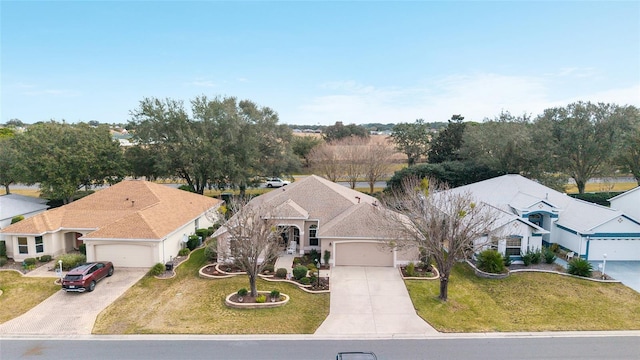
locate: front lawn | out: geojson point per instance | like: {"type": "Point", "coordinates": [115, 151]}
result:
{"type": "Point", "coordinates": [21, 293]}
{"type": "Point", "coordinates": [525, 302]}
{"type": "Point", "coordinates": [188, 304]}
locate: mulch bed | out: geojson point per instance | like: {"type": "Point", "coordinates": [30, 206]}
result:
{"type": "Point", "coordinates": [555, 267]}
{"type": "Point", "coordinates": [419, 272]}
{"type": "Point", "coordinates": [170, 273]}
{"type": "Point", "coordinates": [12, 265]}
{"type": "Point", "coordinates": [322, 285]}
{"type": "Point", "coordinates": [247, 299]}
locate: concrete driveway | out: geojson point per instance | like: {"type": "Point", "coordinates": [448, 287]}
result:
{"type": "Point", "coordinates": [73, 313]}
{"type": "Point", "coordinates": [626, 271]}
{"type": "Point", "coordinates": [371, 300]}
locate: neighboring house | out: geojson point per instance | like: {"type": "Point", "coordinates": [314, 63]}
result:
{"type": "Point", "coordinates": [588, 229]}
{"type": "Point", "coordinates": [12, 205]}
{"type": "Point", "coordinates": [320, 215]}
{"type": "Point", "coordinates": [133, 223]}
{"type": "Point", "coordinates": [629, 202]}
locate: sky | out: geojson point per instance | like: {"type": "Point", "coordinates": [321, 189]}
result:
{"type": "Point", "coordinates": [317, 62]}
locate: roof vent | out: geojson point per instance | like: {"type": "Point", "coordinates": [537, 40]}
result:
{"type": "Point", "coordinates": [358, 197]}
{"type": "Point", "coordinates": [133, 203]}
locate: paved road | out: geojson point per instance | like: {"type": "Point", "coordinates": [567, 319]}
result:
{"type": "Point", "coordinates": [465, 347]}
{"type": "Point", "coordinates": [73, 313]}
{"type": "Point", "coordinates": [370, 300]}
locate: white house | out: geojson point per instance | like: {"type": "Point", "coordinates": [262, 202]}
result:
{"type": "Point", "coordinates": [588, 229]}
{"type": "Point", "coordinates": [12, 205]}
{"type": "Point", "coordinates": [629, 202]}
{"type": "Point", "coordinates": [133, 223]}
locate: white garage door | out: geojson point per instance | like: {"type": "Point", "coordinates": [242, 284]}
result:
{"type": "Point", "coordinates": [616, 249]}
{"type": "Point", "coordinates": [363, 254]}
{"type": "Point", "coordinates": [125, 255]}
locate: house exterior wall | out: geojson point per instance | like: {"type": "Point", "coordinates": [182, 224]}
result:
{"type": "Point", "coordinates": [53, 244]}
{"type": "Point", "coordinates": [570, 240]}
{"type": "Point", "coordinates": [628, 203]}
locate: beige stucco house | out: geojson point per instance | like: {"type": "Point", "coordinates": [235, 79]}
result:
{"type": "Point", "coordinates": [133, 223]}
{"type": "Point", "coordinates": [316, 213]}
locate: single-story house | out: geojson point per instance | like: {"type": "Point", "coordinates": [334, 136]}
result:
{"type": "Point", "coordinates": [12, 205]}
{"type": "Point", "coordinates": [589, 230]}
{"type": "Point", "coordinates": [629, 202]}
{"type": "Point", "coordinates": [133, 223]}
{"type": "Point", "coordinates": [320, 215]}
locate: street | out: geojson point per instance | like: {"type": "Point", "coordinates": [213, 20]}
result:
{"type": "Point", "coordinates": [467, 347]}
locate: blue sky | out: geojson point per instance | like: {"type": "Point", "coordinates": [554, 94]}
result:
{"type": "Point", "coordinates": [317, 62]}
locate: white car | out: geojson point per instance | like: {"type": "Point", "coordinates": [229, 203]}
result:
{"type": "Point", "coordinates": [276, 182]}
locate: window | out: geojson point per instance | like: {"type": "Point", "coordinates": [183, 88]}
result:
{"type": "Point", "coordinates": [23, 248]}
{"type": "Point", "coordinates": [514, 243]}
{"type": "Point", "coordinates": [313, 235]}
{"type": "Point", "coordinates": [39, 244]}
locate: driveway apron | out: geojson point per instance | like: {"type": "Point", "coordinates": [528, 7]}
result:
{"type": "Point", "coordinates": [628, 272]}
{"type": "Point", "coordinates": [371, 300]}
{"type": "Point", "coordinates": [73, 313]}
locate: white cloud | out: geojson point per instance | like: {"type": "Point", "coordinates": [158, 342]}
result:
{"type": "Point", "coordinates": [475, 96]}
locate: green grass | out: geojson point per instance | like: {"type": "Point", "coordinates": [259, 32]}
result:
{"type": "Point", "coordinates": [188, 304]}
{"type": "Point", "coordinates": [20, 293]}
{"type": "Point", "coordinates": [525, 302]}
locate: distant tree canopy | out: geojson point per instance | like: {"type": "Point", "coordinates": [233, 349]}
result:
{"type": "Point", "coordinates": [14, 123]}
{"type": "Point", "coordinates": [452, 173]}
{"type": "Point", "coordinates": [446, 145]}
{"type": "Point", "coordinates": [412, 139]}
{"type": "Point", "coordinates": [224, 143]}
{"type": "Point", "coordinates": [340, 131]}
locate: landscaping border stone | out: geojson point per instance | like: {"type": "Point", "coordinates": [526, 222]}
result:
{"type": "Point", "coordinates": [264, 305]}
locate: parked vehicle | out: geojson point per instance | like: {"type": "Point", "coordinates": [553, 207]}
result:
{"type": "Point", "coordinates": [84, 277]}
{"type": "Point", "coordinates": [276, 182]}
{"type": "Point", "coordinates": [356, 355]}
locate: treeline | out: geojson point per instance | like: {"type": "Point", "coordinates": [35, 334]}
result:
{"type": "Point", "coordinates": [581, 141]}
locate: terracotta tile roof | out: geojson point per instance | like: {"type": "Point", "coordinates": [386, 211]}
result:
{"type": "Point", "coordinates": [130, 209]}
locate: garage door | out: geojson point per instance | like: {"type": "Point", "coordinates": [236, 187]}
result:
{"type": "Point", "coordinates": [616, 249]}
{"type": "Point", "coordinates": [363, 254]}
{"type": "Point", "coordinates": [125, 255]}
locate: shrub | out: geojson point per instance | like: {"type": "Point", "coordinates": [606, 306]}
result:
{"type": "Point", "coordinates": [549, 256]}
{"type": "Point", "coordinates": [327, 257]}
{"type": "Point", "coordinates": [83, 249]}
{"type": "Point", "coordinates": [299, 272]}
{"type": "Point", "coordinates": [261, 298]}
{"type": "Point", "coordinates": [304, 281]}
{"type": "Point", "coordinates": [312, 268]}
{"type": "Point", "coordinates": [202, 233]}
{"type": "Point", "coordinates": [184, 252]}
{"type": "Point", "coordinates": [29, 261]}
{"type": "Point", "coordinates": [410, 269]}
{"type": "Point", "coordinates": [3, 248]}
{"type": "Point", "coordinates": [157, 269]}
{"type": "Point", "coordinates": [281, 273]}
{"type": "Point", "coordinates": [3, 261]}
{"type": "Point", "coordinates": [69, 261]}
{"type": "Point", "coordinates": [186, 188]}
{"type": "Point", "coordinates": [267, 268]}
{"type": "Point", "coordinates": [554, 247]}
{"type": "Point", "coordinates": [45, 258]}
{"type": "Point", "coordinates": [312, 279]}
{"type": "Point", "coordinates": [16, 219]}
{"type": "Point", "coordinates": [211, 251]}
{"type": "Point", "coordinates": [275, 294]}
{"type": "Point", "coordinates": [193, 242]}
{"type": "Point", "coordinates": [527, 258]}
{"type": "Point", "coordinates": [506, 260]}
{"type": "Point", "coordinates": [315, 255]}
{"type": "Point", "coordinates": [242, 292]}
{"type": "Point", "coordinates": [580, 267]}
{"type": "Point", "coordinates": [536, 256]}
{"type": "Point", "coordinates": [490, 261]}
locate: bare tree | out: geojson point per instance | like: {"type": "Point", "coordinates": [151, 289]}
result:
{"type": "Point", "coordinates": [326, 160]}
{"type": "Point", "coordinates": [352, 154]}
{"type": "Point", "coordinates": [377, 162]}
{"type": "Point", "coordinates": [445, 223]}
{"type": "Point", "coordinates": [251, 238]}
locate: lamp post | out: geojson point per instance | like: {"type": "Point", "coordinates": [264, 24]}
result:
{"type": "Point", "coordinates": [604, 264]}
{"type": "Point", "coordinates": [60, 267]}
